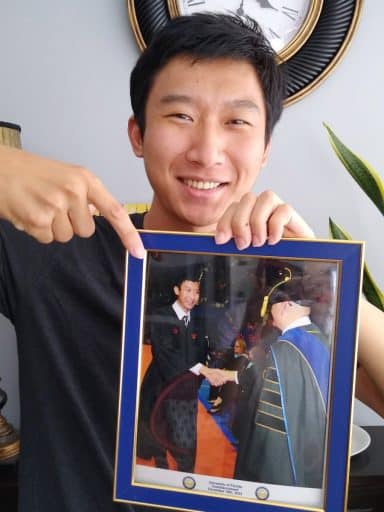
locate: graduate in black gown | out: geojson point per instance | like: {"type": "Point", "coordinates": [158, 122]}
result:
{"type": "Point", "coordinates": [179, 343]}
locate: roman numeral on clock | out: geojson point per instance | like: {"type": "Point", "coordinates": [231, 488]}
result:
{"type": "Point", "coordinates": [293, 14]}
{"type": "Point", "coordinates": [194, 3]}
{"type": "Point", "coordinates": [273, 33]}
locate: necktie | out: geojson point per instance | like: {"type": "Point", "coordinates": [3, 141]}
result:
{"type": "Point", "coordinates": [185, 320]}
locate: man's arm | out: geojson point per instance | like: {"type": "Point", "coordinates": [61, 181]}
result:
{"type": "Point", "coordinates": [266, 218]}
{"type": "Point", "coordinates": [51, 200]}
{"type": "Point", "coordinates": [371, 355]}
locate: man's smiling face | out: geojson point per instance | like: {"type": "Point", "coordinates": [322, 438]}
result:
{"type": "Point", "coordinates": [188, 294]}
{"type": "Point", "coordinates": [204, 141]}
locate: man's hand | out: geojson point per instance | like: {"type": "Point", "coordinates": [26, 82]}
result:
{"type": "Point", "coordinates": [214, 376]}
{"type": "Point", "coordinates": [51, 200]}
{"type": "Point", "coordinates": [258, 219]}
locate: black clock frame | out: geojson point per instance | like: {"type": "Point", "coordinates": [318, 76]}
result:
{"type": "Point", "coordinates": [307, 68]}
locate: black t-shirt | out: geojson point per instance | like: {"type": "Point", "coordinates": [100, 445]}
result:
{"type": "Point", "coordinates": [65, 301]}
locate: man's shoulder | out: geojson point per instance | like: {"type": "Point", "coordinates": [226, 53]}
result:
{"type": "Point", "coordinates": [307, 338]}
{"type": "Point", "coordinates": [28, 257]}
{"type": "Point", "coordinates": [160, 312]}
{"type": "Point", "coordinates": [310, 330]}
{"type": "Point", "coordinates": [102, 225]}
{"type": "Point", "coordinates": [8, 233]}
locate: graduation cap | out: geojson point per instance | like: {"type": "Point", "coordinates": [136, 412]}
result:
{"type": "Point", "coordinates": [190, 272]}
{"type": "Point", "coordinates": [286, 289]}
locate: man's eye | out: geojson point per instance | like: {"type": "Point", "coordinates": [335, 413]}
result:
{"type": "Point", "coordinates": [181, 115]}
{"type": "Point", "coordinates": [239, 122]}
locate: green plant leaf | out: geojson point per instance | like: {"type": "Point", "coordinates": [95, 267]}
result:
{"type": "Point", "coordinates": [337, 232]}
{"type": "Point", "coordinates": [370, 289]}
{"type": "Point", "coordinates": [363, 173]}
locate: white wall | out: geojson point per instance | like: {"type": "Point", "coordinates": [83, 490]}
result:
{"type": "Point", "coordinates": [64, 76]}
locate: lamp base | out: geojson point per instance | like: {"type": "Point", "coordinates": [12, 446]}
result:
{"type": "Point", "coordinates": [9, 442]}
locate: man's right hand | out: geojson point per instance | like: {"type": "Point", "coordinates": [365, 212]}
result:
{"type": "Point", "coordinates": [214, 376]}
{"type": "Point", "coordinates": [52, 200]}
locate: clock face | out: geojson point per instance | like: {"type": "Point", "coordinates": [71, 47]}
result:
{"type": "Point", "coordinates": [280, 20]}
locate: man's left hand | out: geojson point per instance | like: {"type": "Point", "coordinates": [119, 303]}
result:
{"type": "Point", "coordinates": [257, 219]}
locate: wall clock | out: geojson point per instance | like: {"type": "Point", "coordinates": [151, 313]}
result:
{"type": "Point", "coordinates": [310, 36]}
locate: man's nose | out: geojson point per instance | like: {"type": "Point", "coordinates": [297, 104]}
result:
{"type": "Point", "coordinates": [206, 146]}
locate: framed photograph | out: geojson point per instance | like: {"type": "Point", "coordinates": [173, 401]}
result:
{"type": "Point", "coordinates": [237, 375]}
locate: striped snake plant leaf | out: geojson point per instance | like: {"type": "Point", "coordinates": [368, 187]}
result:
{"type": "Point", "coordinates": [370, 289]}
{"type": "Point", "coordinates": [363, 173]}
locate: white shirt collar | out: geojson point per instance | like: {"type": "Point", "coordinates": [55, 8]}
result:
{"type": "Point", "coordinates": [180, 313]}
{"type": "Point", "coordinates": [300, 322]}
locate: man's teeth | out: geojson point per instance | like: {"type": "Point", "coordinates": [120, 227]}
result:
{"type": "Point", "coordinates": [202, 185]}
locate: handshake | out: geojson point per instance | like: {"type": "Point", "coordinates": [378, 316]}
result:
{"type": "Point", "coordinates": [218, 377]}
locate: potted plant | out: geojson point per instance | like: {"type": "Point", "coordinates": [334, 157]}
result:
{"type": "Point", "coordinates": [371, 183]}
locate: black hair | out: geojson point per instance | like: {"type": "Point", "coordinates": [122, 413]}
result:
{"type": "Point", "coordinates": [210, 36]}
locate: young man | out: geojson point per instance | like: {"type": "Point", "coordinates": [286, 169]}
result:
{"type": "Point", "coordinates": [179, 345]}
{"type": "Point", "coordinates": [205, 95]}
{"type": "Point", "coordinates": [283, 438]}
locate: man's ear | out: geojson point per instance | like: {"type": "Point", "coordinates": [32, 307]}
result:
{"type": "Point", "coordinates": [176, 290]}
{"type": "Point", "coordinates": [285, 306]}
{"type": "Point", "coordinates": [135, 136]}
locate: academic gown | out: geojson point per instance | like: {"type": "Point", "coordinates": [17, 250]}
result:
{"type": "Point", "coordinates": [175, 349]}
{"type": "Point", "coordinates": [284, 438]}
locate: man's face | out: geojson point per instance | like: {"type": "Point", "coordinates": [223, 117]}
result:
{"type": "Point", "coordinates": [188, 294]}
{"type": "Point", "coordinates": [204, 142]}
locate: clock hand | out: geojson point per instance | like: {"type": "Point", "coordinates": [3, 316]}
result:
{"type": "Point", "coordinates": [265, 3]}
{"type": "Point", "coordinates": [240, 10]}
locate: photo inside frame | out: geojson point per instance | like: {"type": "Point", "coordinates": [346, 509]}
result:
{"type": "Point", "coordinates": [270, 322]}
